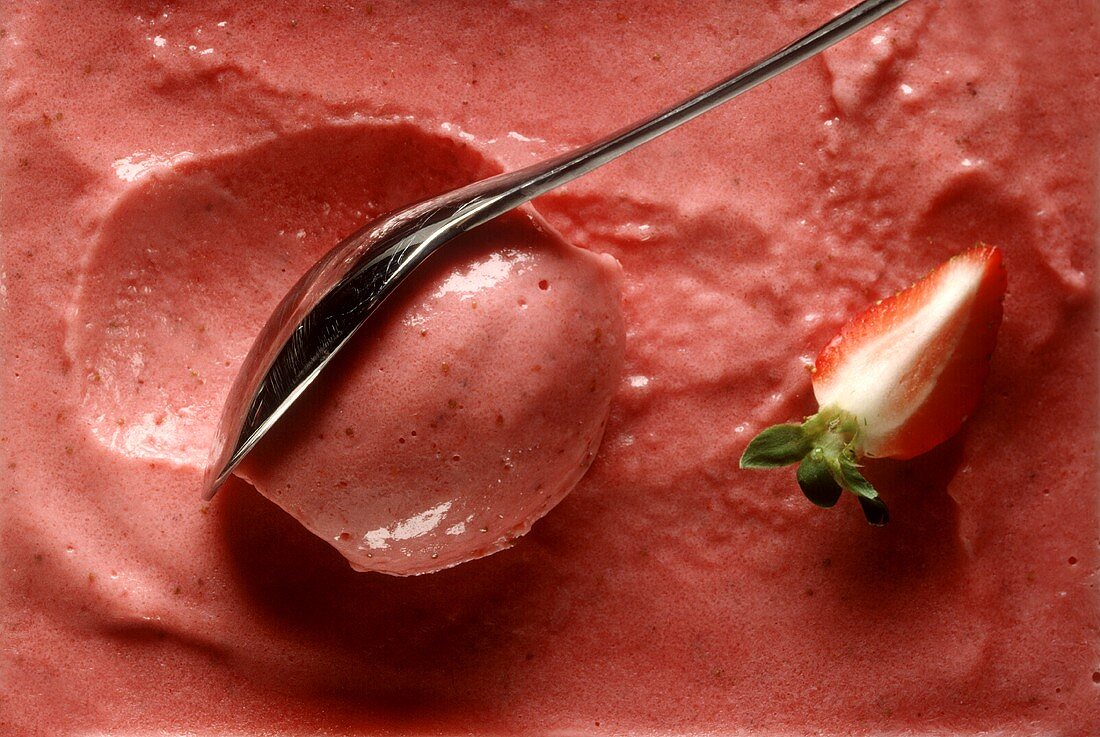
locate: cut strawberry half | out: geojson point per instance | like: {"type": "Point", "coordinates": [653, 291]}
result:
{"type": "Point", "coordinates": [896, 381]}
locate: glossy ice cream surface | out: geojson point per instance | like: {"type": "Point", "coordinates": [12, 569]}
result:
{"type": "Point", "coordinates": [169, 170]}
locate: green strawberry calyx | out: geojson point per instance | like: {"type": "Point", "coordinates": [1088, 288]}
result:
{"type": "Point", "coordinates": [826, 448]}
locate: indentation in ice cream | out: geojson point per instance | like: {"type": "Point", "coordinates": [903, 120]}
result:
{"type": "Point", "coordinates": [195, 251]}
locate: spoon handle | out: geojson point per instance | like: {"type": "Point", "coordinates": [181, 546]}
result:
{"type": "Point", "coordinates": [499, 194]}
{"type": "Point", "coordinates": [337, 296]}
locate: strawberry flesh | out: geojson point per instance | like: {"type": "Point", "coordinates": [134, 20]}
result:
{"type": "Point", "coordinates": [911, 367]}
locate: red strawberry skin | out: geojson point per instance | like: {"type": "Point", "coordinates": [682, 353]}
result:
{"type": "Point", "coordinates": [942, 385]}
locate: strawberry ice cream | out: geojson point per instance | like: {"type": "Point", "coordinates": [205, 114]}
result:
{"type": "Point", "coordinates": [168, 171]}
{"type": "Point", "coordinates": [474, 408]}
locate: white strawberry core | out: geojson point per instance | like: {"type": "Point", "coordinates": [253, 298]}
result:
{"type": "Point", "coordinates": [887, 378]}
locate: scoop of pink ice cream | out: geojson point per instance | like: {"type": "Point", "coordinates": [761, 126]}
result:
{"type": "Point", "coordinates": [469, 408]}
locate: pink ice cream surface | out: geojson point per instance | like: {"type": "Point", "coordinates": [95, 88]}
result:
{"type": "Point", "coordinates": [167, 170]}
{"type": "Point", "coordinates": [469, 406]}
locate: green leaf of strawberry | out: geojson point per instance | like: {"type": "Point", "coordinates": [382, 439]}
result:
{"type": "Point", "coordinates": [853, 480]}
{"type": "Point", "coordinates": [874, 510]}
{"type": "Point", "coordinates": [896, 381]}
{"type": "Point", "coordinates": [815, 478]}
{"type": "Point", "coordinates": [779, 445]}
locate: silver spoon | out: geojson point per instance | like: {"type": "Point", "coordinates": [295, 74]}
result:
{"type": "Point", "coordinates": [344, 288]}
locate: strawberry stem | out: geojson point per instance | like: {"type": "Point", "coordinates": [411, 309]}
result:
{"type": "Point", "coordinates": [826, 447]}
